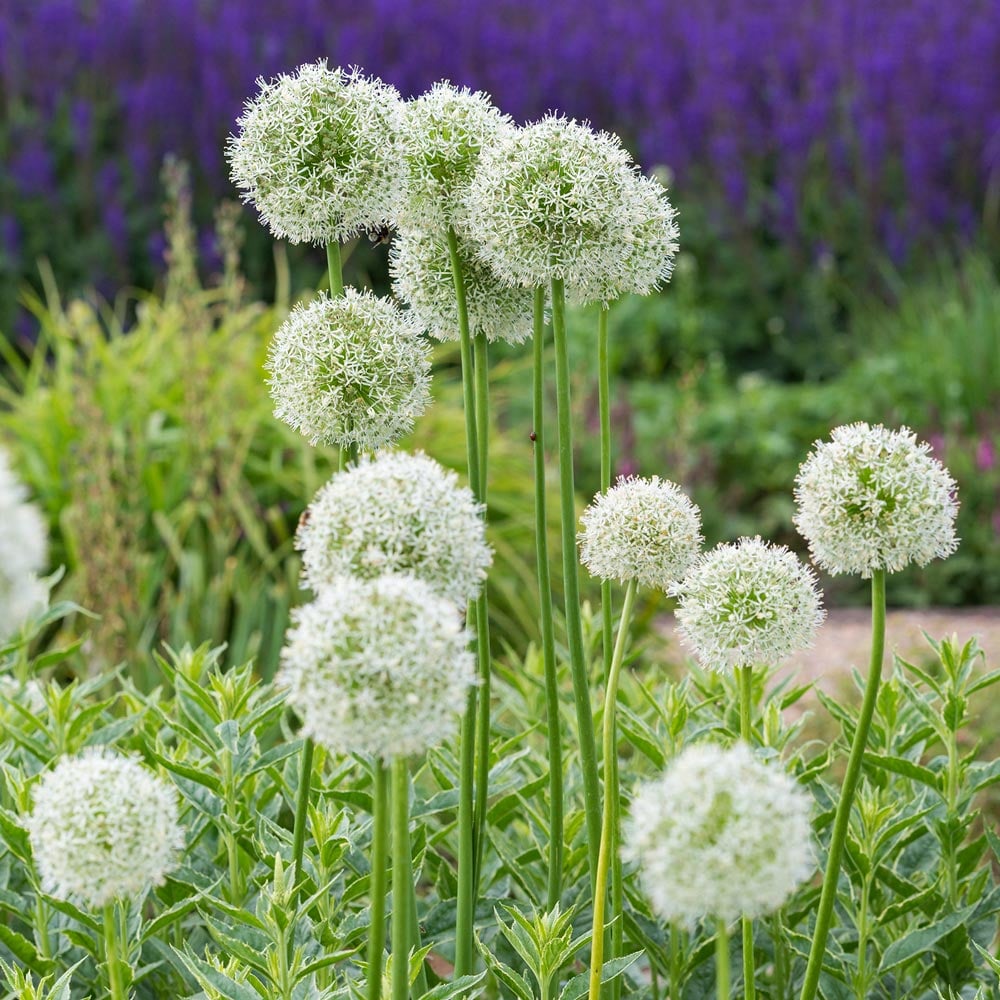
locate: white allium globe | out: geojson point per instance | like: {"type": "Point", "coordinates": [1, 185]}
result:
{"type": "Point", "coordinates": [397, 513]}
{"type": "Point", "coordinates": [720, 834]}
{"type": "Point", "coordinates": [746, 603]}
{"type": "Point", "coordinates": [103, 827]}
{"type": "Point", "coordinates": [318, 154]}
{"type": "Point", "coordinates": [349, 370]}
{"type": "Point", "coordinates": [23, 547]}
{"type": "Point", "coordinates": [871, 498]}
{"type": "Point", "coordinates": [646, 530]}
{"type": "Point", "coordinates": [420, 265]}
{"type": "Point", "coordinates": [378, 666]}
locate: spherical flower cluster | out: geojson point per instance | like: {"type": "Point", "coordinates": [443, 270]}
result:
{"type": "Point", "coordinates": [720, 834]}
{"type": "Point", "coordinates": [443, 133]}
{"type": "Point", "coordinates": [399, 513]}
{"type": "Point", "coordinates": [874, 499]}
{"type": "Point", "coordinates": [557, 200]}
{"type": "Point", "coordinates": [422, 278]}
{"type": "Point", "coordinates": [747, 603]}
{"type": "Point", "coordinates": [641, 529]}
{"type": "Point", "coordinates": [318, 153]}
{"type": "Point", "coordinates": [378, 666]}
{"type": "Point", "coordinates": [103, 827]}
{"type": "Point", "coordinates": [22, 554]}
{"type": "Point", "coordinates": [349, 370]}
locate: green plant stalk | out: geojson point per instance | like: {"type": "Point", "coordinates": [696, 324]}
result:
{"type": "Point", "coordinates": [115, 984]}
{"type": "Point", "coordinates": [400, 874]}
{"type": "Point", "coordinates": [376, 934]}
{"type": "Point", "coordinates": [861, 987]}
{"type": "Point", "coordinates": [420, 987]}
{"type": "Point", "coordinates": [829, 893]}
{"type": "Point", "coordinates": [467, 889]}
{"type": "Point", "coordinates": [334, 266]}
{"type": "Point", "coordinates": [554, 890]}
{"type": "Point", "coordinates": [610, 798]}
{"type": "Point", "coordinates": [721, 961]}
{"type": "Point", "coordinates": [571, 582]}
{"type": "Point", "coordinates": [780, 958]}
{"type": "Point", "coordinates": [746, 732]}
{"type": "Point", "coordinates": [302, 806]}
{"type": "Point", "coordinates": [42, 928]}
{"type": "Point", "coordinates": [952, 793]}
{"type": "Point", "coordinates": [675, 962]}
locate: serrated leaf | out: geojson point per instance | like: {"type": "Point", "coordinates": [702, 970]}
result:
{"type": "Point", "coordinates": [922, 939]}
{"type": "Point", "coordinates": [579, 986]}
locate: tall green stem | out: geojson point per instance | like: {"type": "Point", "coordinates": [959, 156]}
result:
{"type": "Point", "coordinates": [842, 821]}
{"type": "Point", "coordinates": [722, 961]}
{"type": "Point", "coordinates": [675, 962]}
{"type": "Point", "coordinates": [545, 610]}
{"type": "Point", "coordinates": [610, 797]}
{"type": "Point", "coordinates": [335, 269]}
{"type": "Point", "coordinates": [302, 806]}
{"type": "Point", "coordinates": [571, 582]}
{"type": "Point", "coordinates": [400, 874]}
{"type": "Point", "coordinates": [115, 983]}
{"type": "Point", "coordinates": [746, 732]}
{"type": "Point", "coordinates": [376, 932]}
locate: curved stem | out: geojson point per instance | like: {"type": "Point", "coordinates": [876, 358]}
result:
{"type": "Point", "coordinates": [400, 874]}
{"type": "Point", "coordinates": [376, 932]}
{"type": "Point", "coordinates": [115, 984]}
{"type": "Point", "coordinates": [842, 821]}
{"type": "Point", "coordinates": [335, 269]}
{"type": "Point", "coordinates": [545, 611]}
{"type": "Point", "coordinates": [571, 582]}
{"type": "Point", "coordinates": [746, 732]}
{"type": "Point", "coordinates": [610, 796]}
{"type": "Point", "coordinates": [302, 806]}
{"type": "Point", "coordinates": [722, 961]}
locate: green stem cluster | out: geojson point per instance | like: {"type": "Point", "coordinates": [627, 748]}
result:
{"type": "Point", "coordinates": [376, 933]}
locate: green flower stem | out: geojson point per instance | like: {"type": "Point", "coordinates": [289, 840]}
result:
{"type": "Point", "coordinates": [843, 817]}
{"type": "Point", "coordinates": [610, 797]}
{"type": "Point", "coordinates": [302, 806]}
{"type": "Point", "coordinates": [42, 928]}
{"type": "Point", "coordinates": [420, 987]}
{"type": "Point", "coordinates": [115, 984]}
{"type": "Point", "coordinates": [545, 611]}
{"type": "Point", "coordinates": [780, 958]}
{"type": "Point", "coordinates": [376, 934]}
{"type": "Point", "coordinates": [675, 962]}
{"type": "Point", "coordinates": [467, 889]}
{"type": "Point", "coordinates": [571, 582]}
{"type": "Point", "coordinates": [401, 873]}
{"type": "Point", "coordinates": [335, 268]}
{"type": "Point", "coordinates": [722, 961]}
{"type": "Point", "coordinates": [746, 732]}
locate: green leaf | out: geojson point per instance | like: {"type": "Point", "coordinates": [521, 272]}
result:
{"type": "Point", "coordinates": [923, 939]}
{"type": "Point", "coordinates": [578, 986]}
{"type": "Point", "coordinates": [206, 976]}
{"type": "Point", "coordinates": [456, 989]}
{"type": "Point", "coordinates": [907, 768]}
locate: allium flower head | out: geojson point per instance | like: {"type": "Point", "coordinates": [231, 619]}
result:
{"type": "Point", "coordinates": [641, 529]}
{"type": "Point", "coordinates": [104, 827]}
{"type": "Point", "coordinates": [378, 666]}
{"type": "Point", "coordinates": [318, 154]}
{"type": "Point", "coordinates": [422, 278]}
{"type": "Point", "coordinates": [751, 602]}
{"type": "Point", "coordinates": [22, 553]}
{"type": "Point", "coordinates": [720, 834]}
{"type": "Point", "coordinates": [444, 131]}
{"type": "Point", "coordinates": [874, 499]}
{"type": "Point", "coordinates": [349, 370]}
{"type": "Point", "coordinates": [398, 513]}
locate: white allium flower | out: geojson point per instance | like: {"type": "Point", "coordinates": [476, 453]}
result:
{"type": "Point", "coordinates": [641, 529]}
{"type": "Point", "coordinates": [378, 666]}
{"type": "Point", "coordinates": [746, 603]}
{"type": "Point", "coordinates": [443, 133]}
{"type": "Point", "coordinates": [422, 278]}
{"type": "Point", "coordinates": [318, 153]}
{"type": "Point", "coordinates": [352, 369]}
{"type": "Point", "coordinates": [559, 200]}
{"type": "Point", "coordinates": [719, 834]}
{"type": "Point", "coordinates": [871, 498]}
{"type": "Point", "coordinates": [103, 827]}
{"type": "Point", "coordinates": [23, 547]}
{"type": "Point", "coordinates": [398, 513]}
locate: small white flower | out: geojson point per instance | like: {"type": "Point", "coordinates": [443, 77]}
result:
{"type": "Point", "coordinates": [420, 265]}
{"type": "Point", "coordinates": [398, 513]}
{"type": "Point", "coordinates": [23, 547]}
{"type": "Point", "coordinates": [378, 666]}
{"type": "Point", "coordinates": [720, 834]}
{"type": "Point", "coordinates": [751, 602]}
{"type": "Point", "coordinates": [641, 529]}
{"type": "Point", "coordinates": [349, 370]}
{"type": "Point", "coordinates": [874, 499]}
{"type": "Point", "coordinates": [103, 827]}
{"type": "Point", "coordinates": [443, 133]}
{"type": "Point", "coordinates": [318, 154]}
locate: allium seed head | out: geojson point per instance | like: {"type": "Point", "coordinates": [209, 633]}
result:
{"type": "Point", "coordinates": [720, 834]}
{"type": "Point", "coordinates": [23, 548]}
{"type": "Point", "coordinates": [641, 529]}
{"type": "Point", "coordinates": [318, 154]}
{"type": "Point", "coordinates": [874, 499]}
{"type": "Point", "coordinates": [349, 370]}
{"type": "Point", "coordinates": [422, 278]}
{"type": "Point", "coordinates": [443, 133]}
{"type": "Point", "coordinates": [378, 666]}
{"type": "Point", "coordinates": [103, 827]}
{"type": "Point", "coordinates": [398, 513]}
{"type": "Point", "coordinates": [751, 602]}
